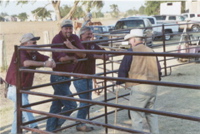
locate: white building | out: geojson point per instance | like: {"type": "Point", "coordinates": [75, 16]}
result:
{"type": "Point", "coordinates": [192, 6]}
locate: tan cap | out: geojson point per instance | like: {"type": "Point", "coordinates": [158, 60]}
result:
{"type": "Point", "coordinates": [66, 23]}
{"type": "Point", "coordinates": [134, 33]}
{"type": "Point", "coordinates": [28, 37]}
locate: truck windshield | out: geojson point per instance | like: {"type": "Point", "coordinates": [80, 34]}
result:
{"type": "Point", "coordinates": [162, 17]}
{"type": "Point", "coordinates": [129, 24]}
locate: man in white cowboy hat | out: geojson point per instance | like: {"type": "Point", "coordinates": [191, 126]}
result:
{"type": "Point", "coordinates": [143, 68]}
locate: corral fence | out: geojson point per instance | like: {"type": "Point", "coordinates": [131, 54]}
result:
{"type": "Point", "coordinates": [107, 76]}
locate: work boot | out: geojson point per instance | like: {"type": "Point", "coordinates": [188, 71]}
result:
{"type": "Point", "coordinates": [84, 128]}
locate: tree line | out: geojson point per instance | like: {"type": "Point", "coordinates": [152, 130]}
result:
{"type": "Point", "coordinates": [76, 11]}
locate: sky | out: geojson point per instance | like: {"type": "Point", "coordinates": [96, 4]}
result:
{"type": "Point", "coordinates": [12, 8]}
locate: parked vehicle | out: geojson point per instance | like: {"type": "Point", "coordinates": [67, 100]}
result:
{"type": "Point", "coordinates": [124, 25]}
{"type": "Point", "coordinates": [191, 25]}
{"type": "Point", "coordinates": [169, 18]}
{"type": "Point", "coordinates": [97, 30]}
{"type": "Point", "coordinates": [157, 28]}
{"type": "Point", "coordinates": [188, 16]}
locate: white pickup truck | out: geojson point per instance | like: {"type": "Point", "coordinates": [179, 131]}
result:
{"type": "Point", "coordinates": [169, 28]}
{"type": "Point", "coordinates": [192, 22]}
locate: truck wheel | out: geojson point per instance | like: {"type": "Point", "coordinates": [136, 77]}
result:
{"type": "Point", "coordinates": [167, 37]}
{"type": "Point", "coordinates": [195, 28]}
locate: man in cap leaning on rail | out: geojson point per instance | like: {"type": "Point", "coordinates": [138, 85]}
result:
{"type": "Point", "coordinates": [28, 58]}
{"type": "Point", "coordinates": [86, 67]}
{"type": "Point", "coordinates": [70, 41]}
{"type": "Point", "coordinates": [143, 68]}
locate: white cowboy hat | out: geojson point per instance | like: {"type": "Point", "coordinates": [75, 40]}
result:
{"type": "Point", "coordinates": [134, 33]}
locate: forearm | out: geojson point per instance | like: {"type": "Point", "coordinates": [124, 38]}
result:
{"type": "Point", "coordinates": [48, 63]}
{"type": "Point", "coordinates": [70, 46]}
{"type": "Point", "coordinates": [67, 58]}
{"type": "Point", "coordinates": [29, 63]}
{"type": "Point", "coordinates": [79, 54]}
{"type": "Point", "coordinates": [97, 56]}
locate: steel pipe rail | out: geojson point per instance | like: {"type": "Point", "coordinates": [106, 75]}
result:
{"type": "Point", "coordinates": [115, 52]}
{"type": "Point", "coordinates": [84, 121]}
{"type": "Point", "coordinates": [170, 114]}
{"type": "Point", "coordinates": [160, 83]}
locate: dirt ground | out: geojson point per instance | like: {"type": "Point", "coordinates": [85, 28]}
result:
{"type": "Point", "coordinates": [170, 99]}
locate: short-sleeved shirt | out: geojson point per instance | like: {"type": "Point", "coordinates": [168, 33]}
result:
{"type": "Point", "coordinates": [59, 38]}
{"type": "Point", "coordinates": [87, 67]}
{"type": "Point", "coordinates": [27, 77]}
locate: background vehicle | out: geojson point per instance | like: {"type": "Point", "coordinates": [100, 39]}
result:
{"type": "Point", "coordinates": [191, 25]}
{"type": "Point", "coordinates": [157, 28]}
{"type": "Point", "coordinates": [124, 25]}
{"type": "Point", "coordinates": [97, 30]}
{"type": "Point", "coordinates": [188, 16]}
{"type": "Point", "coordinates": [168, 18]}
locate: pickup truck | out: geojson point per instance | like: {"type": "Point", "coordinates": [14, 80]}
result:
{"type": "Point", "coordinates": [189, 16]}
{"type": "Point", "coordinates": [192, 22]}
{"type": "Point", "coordinates": [124, 25]}
{"type": "Point", "coordinates": [169, 28]}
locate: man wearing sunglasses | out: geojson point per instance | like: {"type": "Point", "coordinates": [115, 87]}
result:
{"type": "Point", "coordinates": [28, 58]}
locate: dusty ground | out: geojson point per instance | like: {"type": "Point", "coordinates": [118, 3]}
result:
{"type": "Point", "coordinates": [171, 99]}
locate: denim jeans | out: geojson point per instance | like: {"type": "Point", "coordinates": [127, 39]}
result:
{"type": "Point", "coordinates": [60, 105]}
{"type": "Point", "coordinates": [83, 85]}
{"type": "Point", "coordinates": [26, 115]}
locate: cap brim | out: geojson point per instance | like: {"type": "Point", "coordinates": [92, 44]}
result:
{"type": "Point", "coordinates": [35, 38]}
{"type": "Point", "coordinates": [67, 25]}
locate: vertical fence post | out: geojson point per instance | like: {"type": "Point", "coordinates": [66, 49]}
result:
{"type": "Point", "coordinates": [164, 48]}
{"type": "Point", "coordinates": [47, 41]}
{"type": "Point", "coordinates": [18, 95]}
{"type": "Point", "coordinates": [2, 56]}
{"type": "Point", "coordinates": [105, 92]}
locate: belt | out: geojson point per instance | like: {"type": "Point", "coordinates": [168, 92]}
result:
{"type": "Point", "coordinates": [10, 85]}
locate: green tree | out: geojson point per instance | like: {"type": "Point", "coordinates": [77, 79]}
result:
{"type": "Point", "coordinates": [98, 14]}
{"type": "Point", "coordinates": [64, 10]}
{"type": "Point", "coordinates": [42, 13]}
{"type": "Point", "coordinates": [3, 14]}
{"type": "Point", "coordinates": [79, 13]}
{"type": "Point", "coordinates": [115, 10]}
{"type": "Point", "coordinates": [2, 18]}
{"type": "Point", "coordinates": [152, 7]}
{"type": "Point", "coordinates": [141, 10]}
{"type": "Point", "coordinates": [56, 5]}
{"type": "Point", "coordinates": [131, 12]}
{"type": "Point", "coordinates": [23, 16]}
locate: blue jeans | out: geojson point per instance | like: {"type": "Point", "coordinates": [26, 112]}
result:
{"type": "Point", "coordinates": [26, 115]}
{"type": "Point", "coordinates": [60, 105]}
{"type": "Point", "coordinates": [83, 85]}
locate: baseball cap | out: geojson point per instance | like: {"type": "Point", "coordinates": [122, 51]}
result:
{"type": "Point", "coordinates": [66, 23]}
{"type": "Point", "coordinates": [134, 33]}
{"type": "Point", "coordinates": [28, 37]}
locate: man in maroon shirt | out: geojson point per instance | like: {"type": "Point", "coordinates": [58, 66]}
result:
{"type": "Point", "coordinates": [27, 59]}
{"type": "Point", "coordinates": [70, 41]}
{"type": "Point", "coordinates": [86, 67]}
